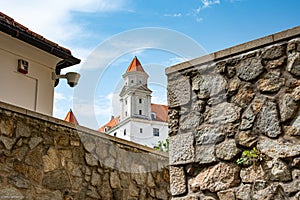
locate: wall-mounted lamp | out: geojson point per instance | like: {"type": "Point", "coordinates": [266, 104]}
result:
{"type": "Point", "coordinates": [72, 77]}
{"type": "Point", "coordinates": [23, 66]}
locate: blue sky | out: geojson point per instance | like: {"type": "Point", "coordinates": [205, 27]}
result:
{"type": "Point", "coordinates": [84, 26]}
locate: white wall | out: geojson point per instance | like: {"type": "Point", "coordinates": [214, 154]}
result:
{"type": "Point", "coordinates": [33, 91]}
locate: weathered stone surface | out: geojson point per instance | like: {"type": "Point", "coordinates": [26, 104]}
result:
{"type": "Point", "coordinates": [244, 192]}
{"type": "Point", "coordinates": [115, 180]}
{"type": "Point", "coordinates": [276, 170]}
{"type": "Point", "coordinates": [227, 150]}
{"type": "Point", "coordinates": [273, 192]}
{"type": "Point", "coordinates": [226, 195]}
{"type": "Point", "coordinates": [223, 113]}
{"type": "Point", "coordinates": [248, 118]}
{"type": "Point", "coordinates": [181, 149]}
{"type": "Point", "coordinates": [89, 146]}
{"type": "Point", "coordinates": [23, 130]}
{"type": "Point", "coordinates": [207, 86]}
{"type": "Point", "coordinates": [293, 63]}
{"type": "Point", "coordinates": [205, 154]}
{"type": "Point", "coordinates": [6, 127]}
{"type": "Point", "coordinates": [273, 52]}
{"type": "Point", "coordinates": [279, 149]}
{"type": "Point", "coordinates": [8, 142]}
{"type": "Point", "coordinates": [245, 138]}
{"type": "Point", "coordinates": [252, 174]}
{"type": "Point", "coordinates": [179, 91]}
{"type": "Point", "coordinates": [95, 178]}
{"type": "Point", "coordinates": [34, 141]}
{"type": "Point", "coordinates": [190, 122]}
{"type": "Point", "coordinates": [233, 86]}
{"type": "Point", "coordinates": [11, 193]}
{"type": "Point", "coordinates": [287, 107]}
{"type": "Point", "coordinates": [272, 64]}
{"type": "Point", "coordinates": [219, 177]}
{"type": "Point", "coordinates": [209, 134]}
{"type": "Point", "coordinates": [56, 180]}
{"type": "Point", "coordinates": [296, 94]}
{"type": "Point", "coordinates": [271, 82]}
{"type": "Point", "coordinates": [34, 158]}
{"type": "Point", "coordinates": [92, 192]}
{"type": "Point", "coordinates": [161, 194]}
{"type": "Point", "coordinates": [105, 191]}
{"type": "Point", "coordinates": [91, 160]}
{"type": "Point", "coordinates": [267, 121]}
{"type": "Point", "coordinates": [173, 121]}
{"type": "Point", "coordinates": [177, 180]}
{"type": "Point", "coordinates": [249, 69]}
{"type": "Point", "coordinates": [294, 129]}
{"type": "Point", "coordinates": [51, 160]}
{"type": "Point", "coordinates": [19, 181]}
{"type": "Point", "coordinates": [244, 96]}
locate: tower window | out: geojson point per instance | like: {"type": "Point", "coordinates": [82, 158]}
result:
{"type": "Point", "coordinates": [125, 113]}
{"type": "Point", "coordinates": [140, 112]}
{"type": "Point", "coordinates": [115, 134]}
{"type": "Point", "coordinates": [141, 130]}
{"type": "Point", "coordinates": [153, 116]}
{"type": "Point", "coordinates": [155, 132]}
{"type": "Point", "coordinates": [124, 131]}
{"type": "Point", "coordinates": [131, 81]}
{"type": "Point", "coordinates": [125, 101]}
{"type": "Point", "coordinates": [140, 100]}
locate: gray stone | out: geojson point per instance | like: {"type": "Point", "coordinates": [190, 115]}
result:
{"type": "Point", "coordinates": [89, 146]}
{"type": "Point", "coordinates": [23, 130]}
{"type": "Point", "coordinates": [105, 191]}
{"type": "Point", "coordinates": [205, 154]}
{"type": "Point", "coordinates": [223, 113]}
{"type": "Point", "coordinates": [179, 91]}
{"type": "Point", "coordinates": [293, 63]}
{"type": "Point", "coordinates": [273, 52]}
{"type": "Point", "coordinates": [161, 194]}
{"type": "Point", "coordinates": [244, 96]}
{"type": "Point", "coordinates": [227, 150]}
{"type": "Point", "coordinates": [11, 193]}
{"type": "Point", "coordinates": [91, 160]}
{"type": "Point", "coordinates": [34, 141]}
{"type": "Point", "coordinates": [95, 178]}
{"type": "Point", "coordinates": [210, 85]}
{"type": "Point", "coordinates": [271, 82]}
{"type": "Point", "coordinates": [233, 86]}
{"type": "Point", "coordinates": [294, 129]}
{"type": "Point", "coordinates": [181, 149]}
{"type": "Point", "coordinates": [19, 181]}
{"type": "Point", "coordinates": [248, 118]}
{"type": "Point", "coordinates": [177, 180]}
{"type": "Point", "coordinates": [287, 107]}
{"type": "Point", "coordinates": [6, 127]}
{"type": "Point", "coordinates": [296, 94]}
{"type": "Point", "coordinates": [173, 121]}
{"type": "Point", "coordinates": [216, 178]}
{"type": "Point", "coordinates": [276, 170]}
{"type": "Point", "coordinates": [267, 121]}
{"type": "Point", "coordinates": [245, 138]}
{"type": "Point", "coordinates": [209, 134]}
{"type": "Point", "coordinates": [8, 142]}
{"type": "Point", "coordinates": [133, 190]}
{"type": "Point", "coordinates": [34, 158]}
{"type": "Point", "coordinates": [190, 122]}
{"type": "Point", "coordinates": [56, 180]}
{"type": "Point", "coordinates": [272, 64]}
{"type": "Point", "coordinates": [244, 192]}
{"type": "Point", "coordinates": [249, 69]}
{"type": "Point", "coordinates": [273, 192]}
{"type": "Point", "coordinates": [252, 174]}
{"type": "Point", "coordinates": [226, 195]}
{"type": "Point", "coordinates": [283, 148]}
{"type": "Point", "coordinates": [92, 192]}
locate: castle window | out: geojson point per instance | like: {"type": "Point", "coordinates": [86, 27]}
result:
{"type": "Point", "coordinates": [140, 82]}
{"type": "Point", "coordinates": [155, 132]}
{"type": "Point", "coordinates": [140, 100]}
{"type": "Point", "coordinates": [126, 113]}
{"type": "Point", "coordinates": [140, 112]}
{"type": "Point", "coordinates": [115, 134]}
{"type": "Point", "coordinates": [141, 130]}
{"type": "Point", "coordinates": [153, 116]}
{"type": "Point", "coordinates": [125, 101]}
{"type": "Point", "coordinates": [131, 81]}
{"type": "Point", "coordinates": [124, 131]}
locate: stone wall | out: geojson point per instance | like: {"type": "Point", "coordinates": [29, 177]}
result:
{"type": "Point", "coordinates": [239, 104]}
{"type": "Point", "coordinates": [45, 158]}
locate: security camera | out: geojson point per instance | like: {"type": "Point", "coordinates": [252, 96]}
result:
{"type": "Point", "coordinates": [72, 78]}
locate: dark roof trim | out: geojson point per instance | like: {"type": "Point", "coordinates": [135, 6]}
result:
{"type": "Point", "coordinates": [10, 27]}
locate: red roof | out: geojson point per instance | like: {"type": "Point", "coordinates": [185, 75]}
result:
{"type": "Point", "coordinates": [161, 112]}
{"type": "Point", "coordinates": [135, 65]}
{"type": "Point", "coordinates": [70, 117]}
{"type": "Point", "coordinates": [113, 122]}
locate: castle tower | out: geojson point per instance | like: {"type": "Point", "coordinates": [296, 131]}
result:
{"type": "Point", "coordinates": [135, 97]}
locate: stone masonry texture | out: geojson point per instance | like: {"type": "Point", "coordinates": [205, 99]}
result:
{"type": "Point", "coordinates": [46, 158]}
{"type": "Point", "coordinates": [244, 98]}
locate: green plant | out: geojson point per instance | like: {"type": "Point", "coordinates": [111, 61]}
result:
{"type": "Point", "coordinates": [163, 146]}
{"type": "Point", "coordinates": [250, 157]}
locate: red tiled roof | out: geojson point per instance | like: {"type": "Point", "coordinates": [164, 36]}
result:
{"type": "Point", "coordinates": [9, 26]}
{"type": "Point", "coordinates": [70, 117]}
{"type": "Point", "coordinates": [161, 112]}
{"type": "Point", "coordinates": [113, 122]}
{"type": "Point", "coordinates": [135, 65]}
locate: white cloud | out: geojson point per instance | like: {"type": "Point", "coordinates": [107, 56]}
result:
{"type": "Point", "coordinates": [53, 19]}
{"type": "Point", "coordinates": [59, 96]}
{"type": "Point", "coordinates": [173, 15]}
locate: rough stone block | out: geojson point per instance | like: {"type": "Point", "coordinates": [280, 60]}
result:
{"type": "Point", "coordinates": [227, 150]}
{"type": "Point", "coordinates": [181, 149]}
{"type": "Point", "coordinates": [177, 180]}
{"type": "Point", "coordinates": [179, 91]}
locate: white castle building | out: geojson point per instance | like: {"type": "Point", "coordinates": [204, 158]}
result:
{"type": "Point", "coordinates": [140, 120]}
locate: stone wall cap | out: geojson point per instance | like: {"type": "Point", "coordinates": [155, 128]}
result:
{"type": "Point", "coordinates": [241, 48]}
{"type": "Point", "coordinates": [81, 129]}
